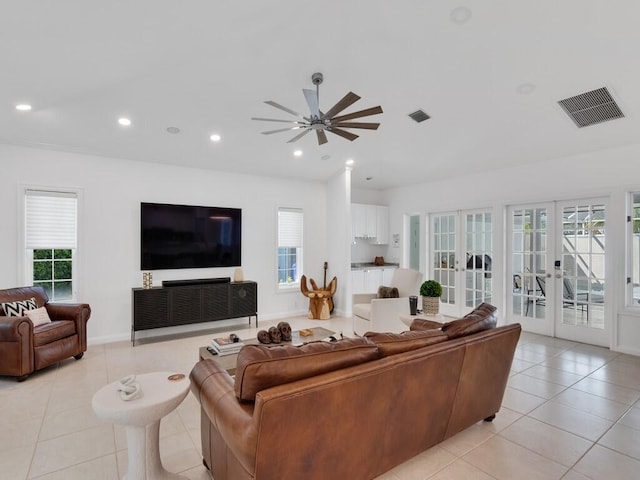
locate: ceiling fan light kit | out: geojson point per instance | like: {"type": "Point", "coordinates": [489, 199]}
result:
{"type": "Point", "coordinates": [322, 122]}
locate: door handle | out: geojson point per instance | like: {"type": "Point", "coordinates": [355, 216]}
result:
{"type": "Point", "coordinates": [558, 275]}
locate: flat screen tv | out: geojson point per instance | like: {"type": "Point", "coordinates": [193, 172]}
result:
{"type": "Point", "coordinates": [183, 236]}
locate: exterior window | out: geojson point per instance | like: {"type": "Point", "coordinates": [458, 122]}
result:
{"type": "Point", "coordinates": [633, 279]}
{"type": "Point", "coordinates": [51, 241]}
{"type": "Point", "coordinates": [290, 223]}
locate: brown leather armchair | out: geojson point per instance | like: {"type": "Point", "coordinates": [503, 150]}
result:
{"type": "Point", "coordinates": [25, 348]}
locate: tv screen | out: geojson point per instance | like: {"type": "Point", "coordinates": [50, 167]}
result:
{"type": "Point", "coordinates": [182, 236]}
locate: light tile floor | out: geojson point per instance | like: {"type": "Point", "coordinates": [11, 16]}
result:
{"type": "Point", "coordinates": [570, 411]}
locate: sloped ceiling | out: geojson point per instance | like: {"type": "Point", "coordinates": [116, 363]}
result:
{"type": "Point", "coordinates": [488, 73]}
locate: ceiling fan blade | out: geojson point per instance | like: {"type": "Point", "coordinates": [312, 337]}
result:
{"type": "Point", "coordinates": [322, 137]}
{"type": "Point", "coordinates": [343, 133]}
{"type": "Point", "coordinates": [361, 113]}
{"type": "Point", "coordinates": [299, 136]}
{"type": "Point", "coordinates": [276, 120]}
{"type": "Point", "coordinates": [269, 132]}
{"type": "Point", "coordinates": [349, 99]}
{"type": "Point", "coordinates": [312, 100]}
{"type": "Point", "coordinates": [369, 126]}
{"type": "Point", "coordinates": [285, 109]}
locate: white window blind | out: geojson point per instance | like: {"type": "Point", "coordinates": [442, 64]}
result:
{"type": "Point", "coordinates": [289, 228]}
{"type": "Point", "coordinates": [51, 219]}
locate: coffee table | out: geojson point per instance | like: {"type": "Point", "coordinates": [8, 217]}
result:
{"type": "Point", "coordinates": [228, 362]}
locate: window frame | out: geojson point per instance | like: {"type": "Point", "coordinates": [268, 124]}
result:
{"type": "Point", "coordinates": [295, 284]}
{"type": "Point", "coordinates": [25, 256]}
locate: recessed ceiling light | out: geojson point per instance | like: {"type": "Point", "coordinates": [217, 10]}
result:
{"type": "Point", "coordinates": [173, 130]}
{"type": "Point", "coordinates": [215, 137]}
{"type": "Point", "coordinates": [460, 15]}
{"type": "Point", "coordinates": [297, 153]}
{"type": "Point", "coordinates": [23, 107]}
{"type": "Point", "coordinates": [125, 122]}
{"type": "Point", "coordinates": [525, 88]}
{"type": "Point", "coordinates": [349, 162]}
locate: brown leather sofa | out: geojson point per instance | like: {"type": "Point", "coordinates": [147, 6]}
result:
{"type": "Point", "coordinates": [25, 348]}
{"type": "Point", "coordinates": [352, 409]}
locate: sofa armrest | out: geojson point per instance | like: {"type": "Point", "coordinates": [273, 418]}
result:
{"type": "Point", "coordinates": [15, 329]}
{"type": "Point", "coordinates": [213, 388]}
{"type": "Point", "coordinates": [16, 346]}
{"type": "Point", "coordinates": [78, 312]}
{"type": "Point", "coordinates": [363, 298]}
{"type": "Point", "coordinates": [385, 314]}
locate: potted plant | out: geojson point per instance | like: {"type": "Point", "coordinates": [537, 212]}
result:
{"type": "Point", "coordinates": [431, 292]}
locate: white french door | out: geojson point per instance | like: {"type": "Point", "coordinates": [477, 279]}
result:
{"type": "Point", "coordinates": [462, 252]}
{"type": "Point", "coordinates": [528, 264]}
{"type": "Point", "coordinates": [557, 263]}
{"type": "Point", "coordinates": [580, 277]}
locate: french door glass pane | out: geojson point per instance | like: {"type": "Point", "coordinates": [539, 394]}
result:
{"type": "Point", "coordinates": [529, 247]}
{"type": "Point", "coordinates": [444, 232]}
{"type": "Point", "coordinates": [583, 248]}
{"type": "Point", "coordinates": [478, 259]}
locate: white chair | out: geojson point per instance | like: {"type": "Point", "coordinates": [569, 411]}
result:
{"type": "Point", "coordinates": [372, 314]}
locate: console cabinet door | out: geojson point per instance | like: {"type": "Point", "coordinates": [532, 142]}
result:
{"type": "Point", "coordinates": [215, 302]}
{"type": "Point", "coordinates": [150, 308]}
{"type": "Point", "coordinates": [244, 299]}
{"type": "Point", "coordinates": [185, 305]}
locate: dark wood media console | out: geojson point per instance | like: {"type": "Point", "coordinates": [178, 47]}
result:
{"type": "Point", "coordinates": [192, 302]}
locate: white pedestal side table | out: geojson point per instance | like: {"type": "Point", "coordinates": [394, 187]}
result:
{"type": "Point", "coordinates": [141, 417]}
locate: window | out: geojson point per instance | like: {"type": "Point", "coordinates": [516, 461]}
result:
{"type": "Point", "coordinates": [633, 278]}
{"type": "Point", "coordinates": [51, 241]}
{"type": "Point", "coordinates": [290, 221]}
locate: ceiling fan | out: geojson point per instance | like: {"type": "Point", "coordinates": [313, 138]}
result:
{"type": "Point", "coordinates": [322, 122]}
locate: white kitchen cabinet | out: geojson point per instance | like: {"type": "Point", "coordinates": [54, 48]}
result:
{"type": "Point", "coordinates": [382, 225]}
{"type": "Point", "coordinates": [371, 214]}
{"type": "Point", "coordinates": [372, 280]}
{"type": "Point", "coordinates": [367, 280]}
{"type": "Point", "coordinates": [387, 275]}
{"type": "Point", "coordinates": [370, 222]}
{"type": "Point", "coordinates": [359, 220]}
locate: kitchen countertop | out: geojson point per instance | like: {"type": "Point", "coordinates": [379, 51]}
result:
{"type": "Point", "coordinates": [369, 265]}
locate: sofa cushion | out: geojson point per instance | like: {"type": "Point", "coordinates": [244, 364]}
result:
{"type": "Point", "coordinates": [18, 308]}
{"type": "Point", "coordinates": [392, 343]}
{"type": "Point", "coordinates": [260, 367]}
{"type": "Point", "coordinates": [481, 318]}
{"type": "Point", "coordinates": [53, 331]}
{"type": "Point", "coordinates": [387, 292]}
{"type": "Point", "coordinates": [419, 324]}
{"type": "Point", "coordinates": [39, 316]}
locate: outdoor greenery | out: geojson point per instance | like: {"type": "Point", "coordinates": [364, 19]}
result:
{"type": "Point", "coordinates": [52, 270]}
{"type": "Point", "coordinates": [431, 288]}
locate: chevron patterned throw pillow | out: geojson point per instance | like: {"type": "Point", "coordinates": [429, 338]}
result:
{"type": "Point", "coordinates": [19, 307]}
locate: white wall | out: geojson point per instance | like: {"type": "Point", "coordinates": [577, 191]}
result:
{"type": "Point", "coordinates": [339, 236]}
{"type": "Point", "coordinates": [609, 173]}
{"type": "Point", "coordinates": [109, 226]}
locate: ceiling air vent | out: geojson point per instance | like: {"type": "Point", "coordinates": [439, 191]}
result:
{"type": "Point", "coordinates": [592, 107]}
{"type": "Point", "coordinates": [419, 116]}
